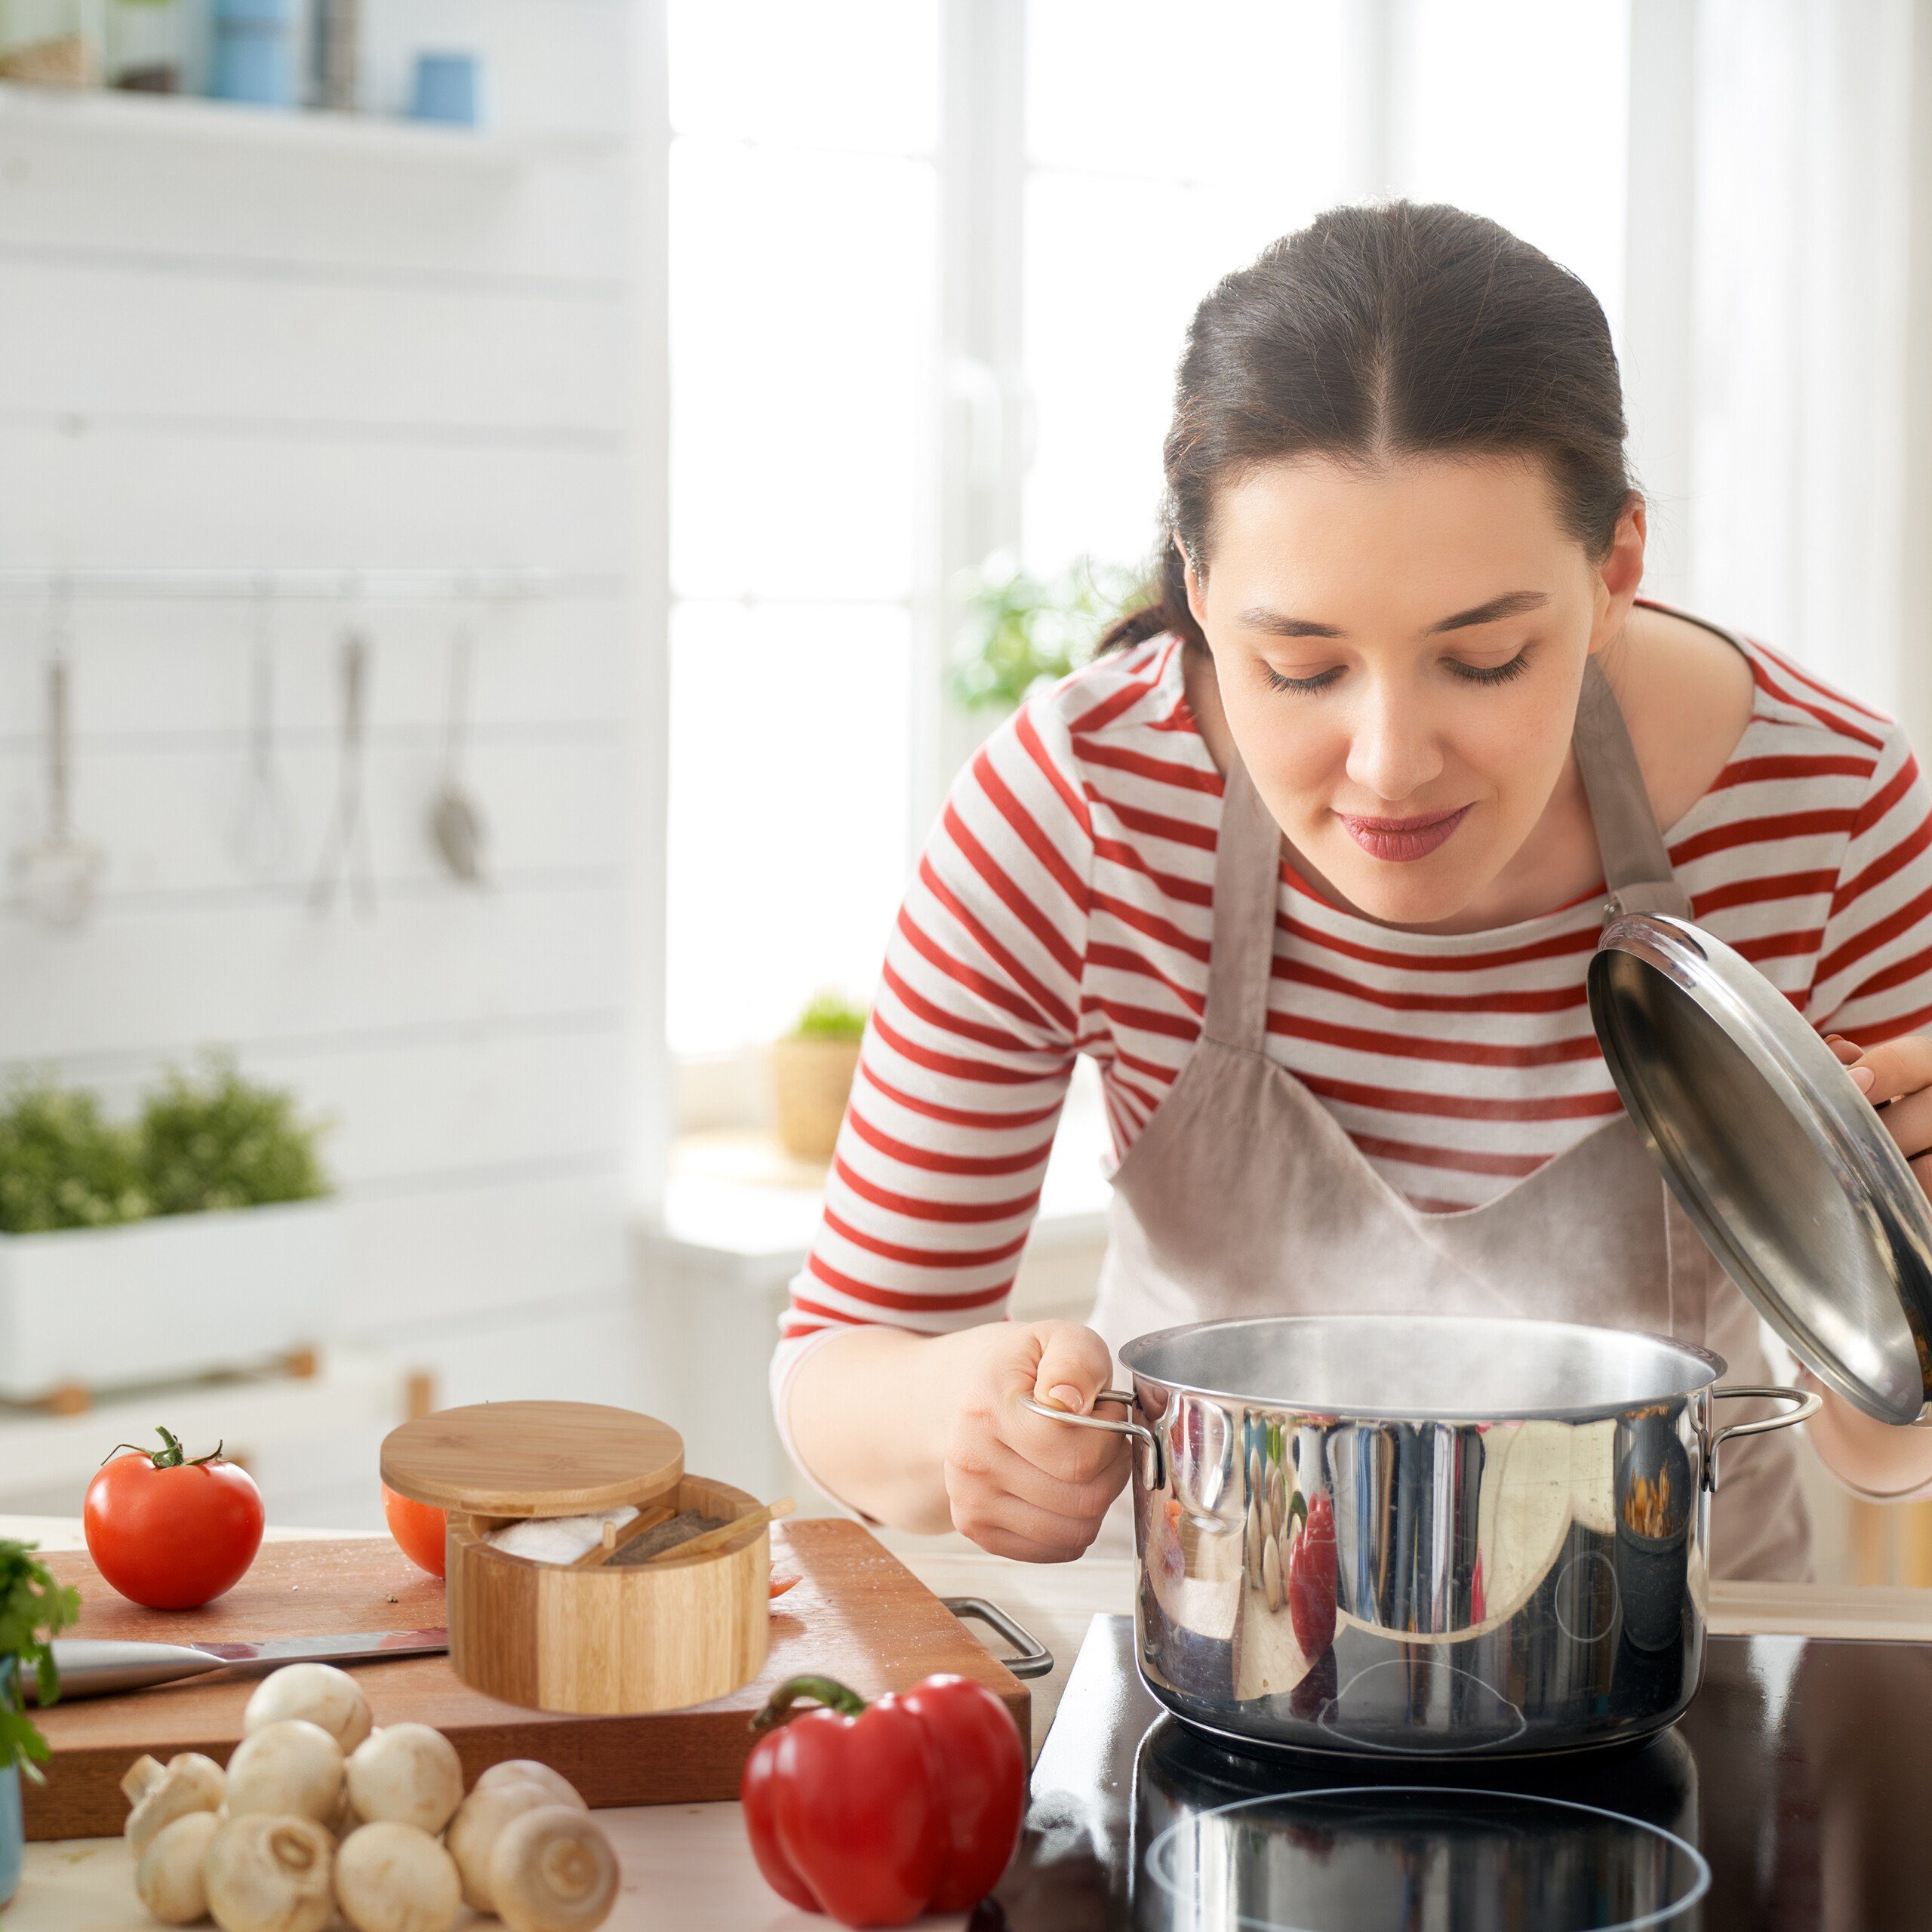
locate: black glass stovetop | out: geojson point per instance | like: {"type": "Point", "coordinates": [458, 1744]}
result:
{"type": "Point", "coordinates": [1796, 1793]}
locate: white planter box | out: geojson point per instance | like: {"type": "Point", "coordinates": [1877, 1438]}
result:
{"type": "Point", "coordinates": [176, 1296]}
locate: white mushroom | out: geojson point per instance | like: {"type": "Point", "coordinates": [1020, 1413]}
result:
{"type": "Point", "coordinates": [316, 1692]}
{"type": "Point", "coordinates": [484, 1816]}
{"type": "Point", "coordinates": [291, 1769]}
{"type": "Point", "coordinates": [531, 1770]}
{"type": "Point", "coordinates": [266, 1874]}
{"type": "Point", "coordinates": [162, 1794]}
{"type": "Point", "coordinates": [553, 1871]}
{"type": "Point", "coordinates": [406, 1774]}
{"type": "Point", "coordinates": [168, 1875]}
{"type": "Point", "coordinates": [392, 1877]}
{"type": "Point", "coordinates": [1271, 1573]}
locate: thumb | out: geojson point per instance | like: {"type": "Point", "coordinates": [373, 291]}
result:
{"type": "Point", "coordinates": [1075, 1366]}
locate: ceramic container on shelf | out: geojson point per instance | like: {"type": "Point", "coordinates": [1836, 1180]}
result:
{"type": "Point", "coordinates": [51, 43]}
{"type": "Point", "coordinates": [13, 1839]}
{"type": "Point", "coordinates": [253, 55]}
{"type": "Point", "coordinates": [811, 1080]}
{"type": "Point", "coordinates": [597, 1634]}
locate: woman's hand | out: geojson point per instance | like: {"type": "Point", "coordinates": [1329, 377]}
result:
{"type": "Point", "coordinates": [1020, 1485]}
{"type": "Point", "coordinates": [1897, 1078]}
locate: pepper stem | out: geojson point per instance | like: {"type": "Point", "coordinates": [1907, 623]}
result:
{"type": "Point", "coordinates": [825, 1690]}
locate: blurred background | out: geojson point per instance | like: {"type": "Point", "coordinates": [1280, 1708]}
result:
{"type": "Point", "coordinates": [511, 512]}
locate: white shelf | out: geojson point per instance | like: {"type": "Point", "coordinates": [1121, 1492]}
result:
{"type": "Point", "coordinates": [109, 115]}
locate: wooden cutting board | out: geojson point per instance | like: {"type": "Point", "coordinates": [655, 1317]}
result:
{"type": "Point", "coordinates": [858, 1614]}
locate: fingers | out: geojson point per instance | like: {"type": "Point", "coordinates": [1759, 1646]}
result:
{"type": "Point", "coordinates": [1075, 1365]}
{"type": "Point", "coordinates": [1908, 1121]}
{"type": "Point", "coordinates": [1904, 1066]}
{"type": "Point", "coordinates": [1010, 1472]}
{"type": "Point", "coordinates": [1009, 1526]}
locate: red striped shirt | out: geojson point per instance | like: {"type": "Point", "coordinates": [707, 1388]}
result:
{"type": "Point", "coordinates": [1064, 903]}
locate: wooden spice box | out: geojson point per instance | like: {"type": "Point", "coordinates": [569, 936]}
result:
{"type": "Point", "coordinates": [595, 1636]}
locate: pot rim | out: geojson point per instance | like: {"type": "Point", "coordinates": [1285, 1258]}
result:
{"type": "Point", "coordinates": [1141, 1345]}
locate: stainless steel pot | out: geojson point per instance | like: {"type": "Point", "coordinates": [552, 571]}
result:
{"type": "Point", "coordinates": [1521, 1515]}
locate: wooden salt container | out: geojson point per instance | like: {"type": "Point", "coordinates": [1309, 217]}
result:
{"type": "Point", "coordinates": [591, 1636]}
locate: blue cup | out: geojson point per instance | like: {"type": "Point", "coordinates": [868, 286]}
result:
{"type": "Point", "coordinates": [13, 1830]}
{"type": "Point", "coordinates": [252, 61]}
{"type": "Point", "coordinates": [448, 88]}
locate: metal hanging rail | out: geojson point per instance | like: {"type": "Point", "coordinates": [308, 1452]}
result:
{"type": "Point", "coordinates": [339, 586]}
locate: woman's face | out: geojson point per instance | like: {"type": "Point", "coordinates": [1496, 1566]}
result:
{"type": "Point", "coordinates": [1399, 655]}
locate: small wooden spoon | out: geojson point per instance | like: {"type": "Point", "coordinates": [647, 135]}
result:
{"type": "Point", "coordinates": [617, 1535]}
{"type": "Point", "coordinates": [710, 1539]}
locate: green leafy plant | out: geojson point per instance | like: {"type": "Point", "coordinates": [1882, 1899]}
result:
{"type": "Point", "coordinates": [33, 1609]}
{"type": "Point", "coordinates": [829, 1016]}
{"type": "Point", "coordinates": [215, 1140]}
{"type": "Point", "coordinates": [1019, 632]}
{"type": "Point", "coordinates": [63, 1165]}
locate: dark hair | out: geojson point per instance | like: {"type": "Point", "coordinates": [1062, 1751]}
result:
{"type": "Point", "coordinates": [1383, 329]}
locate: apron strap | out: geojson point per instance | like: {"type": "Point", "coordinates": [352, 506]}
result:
{"type": "Point", "coordinates": [1248, 887]}
{"type": "Point", "coordinates": [1636, 867]}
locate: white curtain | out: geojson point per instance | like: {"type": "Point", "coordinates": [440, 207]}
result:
{"type": "Point", "coordinates": [1805, 475]}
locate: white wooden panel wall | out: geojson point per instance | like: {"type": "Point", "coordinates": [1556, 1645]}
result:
{"type": "Point", "coordinates": [234, 350]}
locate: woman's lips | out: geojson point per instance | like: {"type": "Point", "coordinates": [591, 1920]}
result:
{"type": "Point", "coordinates": [1403, 838]}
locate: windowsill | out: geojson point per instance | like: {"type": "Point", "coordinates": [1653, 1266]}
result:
{"type": "Point", "coordinates": [736, 1196]}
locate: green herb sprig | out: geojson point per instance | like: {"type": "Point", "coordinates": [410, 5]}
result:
{"type": "Point", "coordinates": [33, 1610]}
{"type": "Point", "coordinates": [829, 1016]}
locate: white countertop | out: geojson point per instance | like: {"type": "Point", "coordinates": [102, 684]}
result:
{"type": "Point", "coordinates": [688, 1867]}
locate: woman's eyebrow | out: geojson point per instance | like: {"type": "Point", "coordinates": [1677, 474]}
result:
{"type": "Point", "coordinates": [1511, 604]}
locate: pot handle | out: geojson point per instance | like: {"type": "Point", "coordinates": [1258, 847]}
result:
{"type": "Point", "coordinates": [1139, 1431]}
{"type": "Point", "coordinates": [1807, 1406]}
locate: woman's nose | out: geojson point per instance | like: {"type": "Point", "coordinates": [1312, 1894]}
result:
{"type": "Point", "coordinates": [1393, 752]}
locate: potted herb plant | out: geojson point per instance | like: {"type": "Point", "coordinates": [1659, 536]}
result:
{"type": "Point", "coordinates": [33, 1608]}
{"type": "Point", "coordinates": [198, 1235]}
{"type": "Point", "coordinates": [811, 1075]}
{"type": "Point", "coordinates": [1018, 632]}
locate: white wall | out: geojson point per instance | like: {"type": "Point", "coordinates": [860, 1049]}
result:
{"type": "Point", "coordinates": [225, 344]}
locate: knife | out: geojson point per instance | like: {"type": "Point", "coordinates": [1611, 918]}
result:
{"type": "Point", "coordinates": [98, 1668]}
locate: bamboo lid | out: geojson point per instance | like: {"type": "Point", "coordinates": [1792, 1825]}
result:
{"type": "Point", "coordinates": [532, 1459]}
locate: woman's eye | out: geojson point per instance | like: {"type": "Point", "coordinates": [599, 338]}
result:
{"type": "Point", "coordinates": [1319, 682]}
{"type": "Point", "coordinates": [1492, 674]}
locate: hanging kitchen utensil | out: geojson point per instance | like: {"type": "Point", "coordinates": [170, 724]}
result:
{"type": "Point", "coordinates": [55, 875]}
{"type": "Point", "coordinates": [264, 824]}
{"type": "Point", "coordinates": [345, 851]}
{"type": "Point", "coordinates": [1786, 1168]}
{"type": "Point", "coordinates": [456, 826]}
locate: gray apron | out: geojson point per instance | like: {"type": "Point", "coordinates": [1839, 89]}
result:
{"type": "Point", "coordinates": [1244, 1195]}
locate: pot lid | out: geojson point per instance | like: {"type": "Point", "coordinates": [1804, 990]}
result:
{"type": "Point", "coordinates": [532, 1459]}
{"type": "Point", "coordinates": [1782, 1164]}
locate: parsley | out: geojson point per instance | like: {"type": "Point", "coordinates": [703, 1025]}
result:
{"type": "Point", "coordinates": [33, 1607]}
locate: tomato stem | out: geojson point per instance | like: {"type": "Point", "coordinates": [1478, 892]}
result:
{"type": "Point", "coordinates": [826, 1691]}
{"type": "Point", "coordinates": [170, 1456]}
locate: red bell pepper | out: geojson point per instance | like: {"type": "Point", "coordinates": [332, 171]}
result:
{"type": "Point", "coordinates": [1312, 1578]}
{"type": "Point", "coordinates": [877, 1813]}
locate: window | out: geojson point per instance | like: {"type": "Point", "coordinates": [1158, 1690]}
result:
{"type": "Point", "coordinates": [890, 217]}
{"type": "Point", "coordinates": [804, 229]}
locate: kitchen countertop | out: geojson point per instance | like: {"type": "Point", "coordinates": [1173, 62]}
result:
{"type": "Point", "coordinates": [688, 1866]}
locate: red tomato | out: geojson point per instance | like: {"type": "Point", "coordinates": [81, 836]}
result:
{"type": "Point", "coordinates": [168, 1533]}
{"type": "Point", "coordinates": [418, 1529]}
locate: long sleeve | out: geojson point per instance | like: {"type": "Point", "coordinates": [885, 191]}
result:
{"type": "Point", "coordinates": [966, 1058]}
{"type": "Point", "coordinates": [1873, 976]}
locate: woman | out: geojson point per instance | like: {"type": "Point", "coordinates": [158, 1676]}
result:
{"type": "Point", "coordinates": [1312, 860]}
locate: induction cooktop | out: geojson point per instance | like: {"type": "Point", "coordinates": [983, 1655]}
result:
{"type": "Point", "coordinates": [1796, 1793]}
